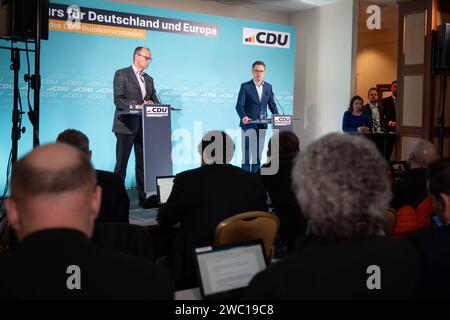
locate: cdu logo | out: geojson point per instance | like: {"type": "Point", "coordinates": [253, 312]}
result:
{"type": "Point", "coordinates": [156, 111]}
{"type": "Point", "coordinates": [282, 121]}
{"type": "Point", "coordinates": [266, 38]}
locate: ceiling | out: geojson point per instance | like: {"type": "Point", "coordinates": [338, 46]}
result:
{"type": "Point", "coordinates": [285, 5]}
{"type": "Point", "coordinates": [277, 5]}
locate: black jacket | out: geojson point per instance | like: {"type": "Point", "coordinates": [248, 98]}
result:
{"type": "Point", "coordinates": [389, 111]}
{"type": "Point", "coordinates": [410, 188]}
{"type": "Point", "coordinates": [434, 247]}
{"type": "Point", "coordinates": [284, 202]}
{"type": "Point", "coordinates": [200, 199]}
{"type": "Point", "coordinates": [126, 88]}
{"type": "Point", "coordinates": [38, 269]}
{"type": "Point", "coordinates": [115, 202]}
{"type": "Point", "coordinates": [326, 269]}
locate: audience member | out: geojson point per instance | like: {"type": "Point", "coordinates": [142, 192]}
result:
{"type": "Point", "coordinates": [115, 203]}
{"type": "Point", "coordinates": [354, 119]}
{"type": "Point", "coordinates": [434, 244]}
{"type": "Point", "coordinates": [279, 187]}
{"type": "Point", "coordinates": [54, 203]}
{"type": "Point", "coordinates": [342, 189]}
{"type": "Point", "coordinates": [201, 198]}
{"type": "Point", "coordinates": [410, 188]}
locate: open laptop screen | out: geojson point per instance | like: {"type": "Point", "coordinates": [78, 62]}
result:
{"type": "Point", "coordinates": [164, 187]}
{"type": "Point", "coordinates": [228, 268]}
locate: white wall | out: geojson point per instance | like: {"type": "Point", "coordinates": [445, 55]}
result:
{"type": "Point", "coordinates": [215, 9]}
{"type": "Point", "coordinates": [323, 74]}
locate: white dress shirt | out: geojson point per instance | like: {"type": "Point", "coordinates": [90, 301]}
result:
{"type": "Point", "coordinates": [375, 116]}
{"type": "Point", "coordinates": [141, 80]}
{"type": "Point", "coordinates": [259, 89]}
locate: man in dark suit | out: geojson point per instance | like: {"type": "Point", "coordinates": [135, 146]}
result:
{"type": "Point", "coordinates": [253, 98]}
{"type": "Point", "coordinates": [434, 244]}
{"type": "Point", "coordinates": [201, 198]}
{"type": "Point", "coordinates": [279, 187]}
{"type": "Point", "coordinates": [374, 110]}
{"type": "Point", "coordinates": [115, 202]}
{"type": "Point", "coordinates": [54, 203]}
{"type": "Point", "coordinates": [390, 106]}
{"type": "Point", "coordinates": [132, 86]}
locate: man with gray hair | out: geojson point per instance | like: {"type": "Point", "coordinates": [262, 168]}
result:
{"type": "Point", "coordinates": [410, 188]}
{"type": "Point", "coordinates": [54, 203]}
{"type": "Point", "coordinates": [341, 185]}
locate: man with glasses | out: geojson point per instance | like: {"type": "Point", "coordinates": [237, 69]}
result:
{"type": "Point", "coordinates": [253, 98]}
{"type": "Point", "coordinates": [132, 88]}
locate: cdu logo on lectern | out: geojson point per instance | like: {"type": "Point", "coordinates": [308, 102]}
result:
{"type": "Point", "coordinates": [156, 111]}
{"type": "Point", "coordinates": [282, 121]}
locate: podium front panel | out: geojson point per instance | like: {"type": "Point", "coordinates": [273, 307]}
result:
{"type": "Point", "coordinates": [282, 122]}
{"type": "Point", "coordinates": [157, 144]}
{"type": "Point", "coordinates": [384, 141]}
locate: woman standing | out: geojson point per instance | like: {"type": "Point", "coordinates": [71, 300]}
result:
{"type": "Point", "coordinates": [354, 120]}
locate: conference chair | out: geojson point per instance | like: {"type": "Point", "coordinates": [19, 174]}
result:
{"type": "Point", "coordinates": [248, 226]}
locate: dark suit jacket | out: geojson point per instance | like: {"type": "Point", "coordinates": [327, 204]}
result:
{"type": "Point", "coordinates": [325, 269]}
{"type": "Point", "coordinates": [200, 199]}
{"type": "Point", "coordinates": [410, 188]}
{"type": "Point", "coordinates": [126, 88]}
{"type": "Point", "coordinates": [367, 111]}
{"type": "Point", "coordinates": [435, 250]}
{"type": "Point", "coordinates": [390, 111]}
{"type": "Point", "coordinates": [284, 201]}
{"type": "Point", "coordinates": [248, 104]}
{"type": "Point", "coordinates": [37, 269]}
{"type": "Point", "coordinates": [115, 202]}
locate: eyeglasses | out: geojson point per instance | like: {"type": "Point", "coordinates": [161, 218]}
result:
{"type": "Point", "coordinates": [259, 71]}
{"type": "Point", "coordinates": [145, 57]}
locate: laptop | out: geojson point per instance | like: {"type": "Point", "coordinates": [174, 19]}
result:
{"type": "Point", "coordinates": [398, 167]}
{"type": "Point", "coordinates": [164, 186]}
{"type": "Point", "coordinates": [225, 271]}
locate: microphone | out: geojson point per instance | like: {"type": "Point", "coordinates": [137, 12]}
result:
{"type": "Point", "coordinates": [157, 95]}
{"type": "Point", "coordinates": [377, 123]}
{"type": "Point", "coordinates": [281, 107]}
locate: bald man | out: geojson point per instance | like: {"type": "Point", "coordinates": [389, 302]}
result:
{"type": "Point", "coordinates": [411, 187]}
{"type": "Point", "coordinates": [54, 203]}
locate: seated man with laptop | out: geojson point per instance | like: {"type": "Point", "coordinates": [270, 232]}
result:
{"type": "Point", "coordinates": [201, 198]}
{"type": "Point", "coordinates": [147, 215]}
{"type": "Point", "coordinates": [163, 187]}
